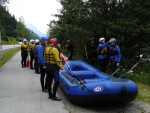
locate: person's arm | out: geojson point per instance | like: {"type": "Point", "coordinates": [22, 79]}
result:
{"type": "Point", "coordinates": [40, 55]}
{"type": "Point", "coordinates": [101, 46]}
{"type": "Point", "coordinates": [118, 55]}
{"type": "Point", "coordinates": [56, 57]}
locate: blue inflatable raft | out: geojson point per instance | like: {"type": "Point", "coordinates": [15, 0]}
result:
{"type": "Point", "coordinates": [84, 84]}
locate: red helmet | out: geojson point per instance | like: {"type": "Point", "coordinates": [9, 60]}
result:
{"type": "Point", "coordinates": [53, 41]}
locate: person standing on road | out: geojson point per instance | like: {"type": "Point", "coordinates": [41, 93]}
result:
{"type": "Point", "coordinates": [36, 65]}
{"type": "Point", "coordinates": [102, 55]}
{"type": "Point", "coordinates": [53, 65]}
{"type": "Point", "coordinates": [31, 45]}
{"type": "Point", "coordinates": [24, 52]}
{"type": "Point", "coordinates": [42, 62]}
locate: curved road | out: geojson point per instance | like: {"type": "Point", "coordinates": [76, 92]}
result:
{"type": "Point", "coordinates": [9, 46]}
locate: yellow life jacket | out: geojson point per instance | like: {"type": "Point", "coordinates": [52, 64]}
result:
{"type": "Point", "coordinates": [103, 51]}
{"type": "Point", "coordinates": [51, 56]}
{"type": "Point", "coordinates": [24, 46]}
{"type": "Point", "coordinates": [31, 46]}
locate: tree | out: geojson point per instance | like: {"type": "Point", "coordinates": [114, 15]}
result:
{"type": "Point", "coordinates": [126, 20]}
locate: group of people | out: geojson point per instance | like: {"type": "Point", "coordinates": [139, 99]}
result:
{"type": "Point", "coordinates": [47, 59]}
{"type": "Point", "coordinates": [108, 52]}
{"type": "Point", "coordinates": [46, 62]}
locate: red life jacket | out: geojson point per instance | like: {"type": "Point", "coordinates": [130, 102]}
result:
{"type": "Point", "coordinates": [112, 51]}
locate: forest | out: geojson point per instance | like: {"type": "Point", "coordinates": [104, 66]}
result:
{"type": "Point", "coordinates": [85, 21]}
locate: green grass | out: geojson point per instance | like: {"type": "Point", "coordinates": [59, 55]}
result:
{"type": "Point", "coordinates": [10, 40]}
{"type": "Point", "coordinates": [142, 79]}
{"type": "Point", "coordinates": [7, 54]}
{"type": "Point", "coordinates": [143, 93]}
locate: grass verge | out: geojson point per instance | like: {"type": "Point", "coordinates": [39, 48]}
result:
{"type": "Point", "coordinates": [143, 93]}
{"type": "Point", "coordinates": [7, 54]}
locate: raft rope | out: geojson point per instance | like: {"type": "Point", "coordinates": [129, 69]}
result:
{"type": "Point", "coordinates": [81, 82]}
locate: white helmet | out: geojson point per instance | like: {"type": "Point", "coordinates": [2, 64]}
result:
{"type": "Point", "coordinates": [101, 39]}
{"type": "Point", "coordinates": [31, 40]}
{"type": "Point", "coordinates": [36, 41]}
{"type": "Point", "coordinates": [24, 40]}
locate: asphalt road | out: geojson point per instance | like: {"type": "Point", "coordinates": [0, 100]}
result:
{"type": "Point", "coordinates": [9, 46]}
{"type": "Point", "coordinates": [20, 91]}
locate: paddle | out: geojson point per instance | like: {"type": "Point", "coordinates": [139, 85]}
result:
{"type": "Point", "coordinates": [70, 70]}
{"type": "Point", "coordinates": [131, 68]}
{"type": "Point", "coordinates": [119, 68]}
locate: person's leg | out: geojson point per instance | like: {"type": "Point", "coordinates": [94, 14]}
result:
{"type": "Point", "coordinates": [114, 67]}
{"type": "Point", "coordinates": [25, 58]}
{"type": "Point", "coordinates": [22, 60]}
{"type": "Point", "coordinates": [31, 60]}
{"type": "Point", "coordinates": [35, 65]}
{"type": "Point", "coordinates": [50, 76]}
{"type": "Point", "coordinates": [46, 81]}
{"type": "Point", "coordinates": [56, 84]}
{"type": "Point", "coordinates": [42, 79]}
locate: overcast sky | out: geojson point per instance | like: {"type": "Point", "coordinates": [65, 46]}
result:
{"type": "Point", "coordinates": [36, 12]}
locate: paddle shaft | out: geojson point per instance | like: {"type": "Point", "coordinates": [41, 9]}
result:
{"type": "Point", "coordinates": [130, 69]}
{"type": "Point", "coordinates": [120, 67]}
{"type": "Point", "coordinates": [84, 86]}
{"type": "Point", "coordinates": [71, 71]}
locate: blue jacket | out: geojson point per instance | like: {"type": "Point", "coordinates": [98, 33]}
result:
{"type": "Point", "coordinates": [102, 55]}
{"type": "Point", "coordinates": [41, 59]}
{"type": "Point", "coordinates": [113, 58]}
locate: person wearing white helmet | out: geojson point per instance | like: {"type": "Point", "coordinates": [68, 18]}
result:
{"type": "Point", "coordinates": [31, 45]}
{"type": "Point", "coordinates": [114, 54]}
{"type": "Point", "coordinates": [24, 52]}
{"type": "Point", "coordinates": [36, 66]}
{"type": "Point", "coordinates": [102, 54]}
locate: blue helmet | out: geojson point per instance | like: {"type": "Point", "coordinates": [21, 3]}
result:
{"type": "Point", "coordinates": [113, 39]}
{"type": "Point", "coordinates": [56, 39]}
{"type": "Point", "coordinates": [43, 38]}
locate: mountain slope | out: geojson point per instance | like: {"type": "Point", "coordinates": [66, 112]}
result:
{"type": "Point", "coordinates": [35, 30]}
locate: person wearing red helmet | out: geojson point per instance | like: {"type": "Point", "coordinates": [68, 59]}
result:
{"type": "Point", "coordinates": [53, 65]}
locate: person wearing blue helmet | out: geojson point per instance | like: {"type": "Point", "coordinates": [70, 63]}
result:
{"type": "Point", "coordinates": [114, 54]}
{"type": "Point", "coordinates": [58, 46]}
{"type": "Point", "coordinates": [42, 62]}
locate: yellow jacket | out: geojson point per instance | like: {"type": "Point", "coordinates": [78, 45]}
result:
{"type": "Point", "coordinates": [51, 56]}
{"type": "Point", "coordinates": [31, 46]}
{"type": "Point", "coordinates": [24, 46]}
